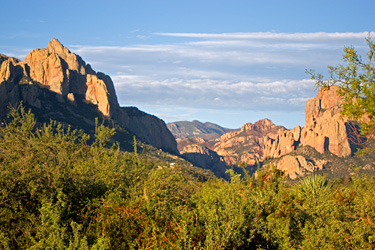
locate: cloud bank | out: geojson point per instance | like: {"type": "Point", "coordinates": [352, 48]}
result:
{"type": "Point", "coordinates": [230, 71]}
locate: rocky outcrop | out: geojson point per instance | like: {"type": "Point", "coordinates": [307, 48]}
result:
{"type": "Point", "coordinates": [326, 130]}
{"type": "Point", "coordinates": [285, 142]}
{"type": "Point", "coordinates": [74, 82]}
{"type": "Point", "coordinates": [12, 71]}
{"type": "Point", "coordinates": [296, 166]}
{"type": "Point", "coordinates": [182, 143]}
{"type": "Point", "coordinates": [247, 144]}
{"type": "Point", "coordinates": [64, 72]}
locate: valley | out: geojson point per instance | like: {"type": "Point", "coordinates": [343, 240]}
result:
{"type": "Point", "coordinates": [78, 171]}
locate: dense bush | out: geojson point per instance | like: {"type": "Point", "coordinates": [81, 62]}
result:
{"type": "Point", "coordinates": [59, 192]}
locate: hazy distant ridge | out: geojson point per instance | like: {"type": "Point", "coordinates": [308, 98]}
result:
{"type": "Point", "coordinates": [186, 129]}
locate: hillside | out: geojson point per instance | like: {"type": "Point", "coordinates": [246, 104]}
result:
{"type": "Point", "coordinates": [57, 84]}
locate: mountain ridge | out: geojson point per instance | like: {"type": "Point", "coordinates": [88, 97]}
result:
{"type": "Point", "coordinates": [195, 128]}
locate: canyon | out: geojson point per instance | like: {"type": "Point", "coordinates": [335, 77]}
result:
{"type": "Point", "coordinates": [58, 84]}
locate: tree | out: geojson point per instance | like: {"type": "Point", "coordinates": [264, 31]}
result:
{"type": "Point", "coordinates": [356, 82]}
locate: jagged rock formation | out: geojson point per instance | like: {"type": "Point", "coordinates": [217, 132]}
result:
{"type": "Point", "coordinates": [73, 81]}
{"type": "Point", "coordinates": [285, 142]}
{"type": "Point", "coordinates": [12, 71]}
{"type": "Point", "coordinates": [66, 73]}
{"type": "Point", "coordinates": [326, 130]}
{"type": "Point", "coordinates": [205, 158]}
{"type": "Point", "coordinates": [247, 144]}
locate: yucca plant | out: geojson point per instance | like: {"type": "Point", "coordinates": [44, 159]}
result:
{"type": "Point", "coordinates": [313, 185]}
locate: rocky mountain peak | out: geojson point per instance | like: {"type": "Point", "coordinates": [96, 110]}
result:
{"type": "Point", "coordinates": [66, 74]}
{"type": "Point", "coordinates": [261, 125]}
{"type": "Point", "coordinates": [325, 131]}
{"type": "Point", "coordinates": [186, 129]}
{"type": "Point", "coordinates": [329, 97]}
{"type": "Point", "coordinates": [54, 46]}
{"type": "Point", "coordinates": [326, 99]}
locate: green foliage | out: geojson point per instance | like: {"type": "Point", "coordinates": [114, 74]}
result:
{"type": "Point", "coordinates": [58, 192]}
{"type": "Point", "coordinates": [103, 134]}
{"type": "Point", "coordinates": [356, 82]}
{"type": "Point", "coordinates": [222, 209]}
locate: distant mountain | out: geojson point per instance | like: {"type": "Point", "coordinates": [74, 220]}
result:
{"type": "Point", "coordinates": [246, 145]}
{"type": "Point", "coordinates": [186, 129]}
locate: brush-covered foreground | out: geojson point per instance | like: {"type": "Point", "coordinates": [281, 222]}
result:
{"type": "Point", "coordinates": [59, 192]}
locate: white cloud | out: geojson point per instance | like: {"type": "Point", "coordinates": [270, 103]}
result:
{"type": "Point", "coordinates": [274, 36]}
{"type": "Point", "coordinates": [215, 94]}
{"type": "Point", "coordinates": [226, 54]}
{"type": "Point", "coordinates": [245, 71]}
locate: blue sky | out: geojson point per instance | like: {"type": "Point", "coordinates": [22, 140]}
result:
{"type": "Point", "coordinates": [227, 62]}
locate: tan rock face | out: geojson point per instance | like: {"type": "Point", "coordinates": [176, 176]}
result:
{"type": "Point", "coordinates": [290, 166]}
{"type": "Point", "coordinates": [182, 143]}
{"type": "Point", "coordinates": [65, 72]}
{"type": "Point", "coordinates": [247, 144]}
{"type": "Point", "coordinates": [285, 142]}
{"type": "Point", "coordinates": [12, 73]}
{"type": "Point", "coordinates": [325, 129]}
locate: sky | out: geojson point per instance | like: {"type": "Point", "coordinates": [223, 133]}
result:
{"type": "Point", "coordinates": [226, 62]}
